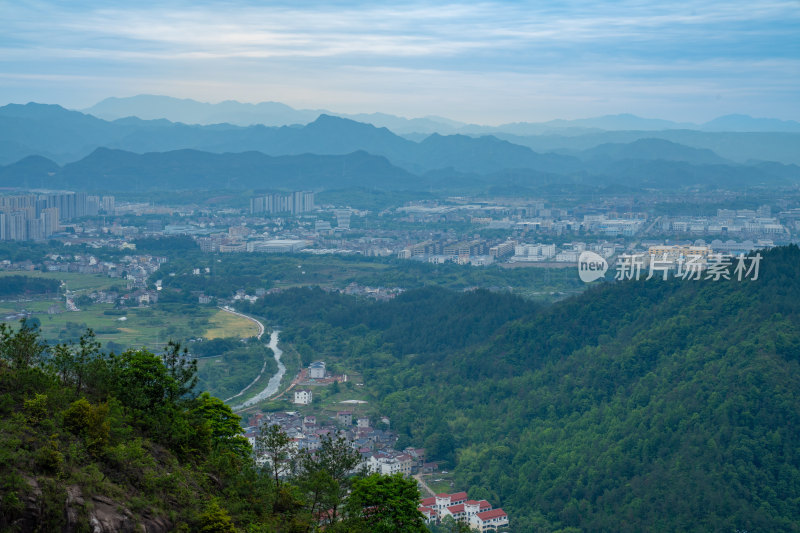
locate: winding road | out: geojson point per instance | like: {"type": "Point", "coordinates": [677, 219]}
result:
{"type": "Point", "coordinates": [261, 330]}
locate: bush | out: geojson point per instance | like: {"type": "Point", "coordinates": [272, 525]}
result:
{"type": "Point", "coordinates": [215, 519]}
{"type": "Point", "coordinates": [36, 408]}
{"type": "Point", "coordinates": [49, 458]}
{"type": "Point", "coordinates": [89, 421]}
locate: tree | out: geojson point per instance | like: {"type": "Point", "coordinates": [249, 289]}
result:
{"type": "Point", "coordinates": [181, 368]}
{"type": "Point", "coordinates": [225, 431]}
{"type": "Point", "coordinates": [450, 525]}
{"type": "Point", "coordinates": [324, 475]}
{"type": "Point", "coordinates": [87, 352]}
{"type": "Point", "coordinates": [23, 348]}
{"type": "Point", "coordinates": [276, 446]}
{"type": "Point", "coordinates": [215, 519]}
{"type": "Point", "coordinates": [384, 504]}
{"type": "Point", "coordinates": [143, 382]}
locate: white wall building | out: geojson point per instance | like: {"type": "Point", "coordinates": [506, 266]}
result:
{"type": "Point", "coordinates": [303, 396]}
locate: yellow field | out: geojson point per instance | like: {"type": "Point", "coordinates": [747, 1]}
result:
{"type": "Point", "coordinates": [224, 324]}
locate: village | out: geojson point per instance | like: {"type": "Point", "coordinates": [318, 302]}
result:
{"type": "Point", "coordinates": [375, 442]}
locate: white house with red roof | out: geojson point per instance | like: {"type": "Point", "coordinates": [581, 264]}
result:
{"type": "Point", "coordinates": [489, 520]}
{"type": "Point", "coordinates": [429, 514]}
{"type": "Point", "coordinates": [444, 500]}
{"type": "Point", "coordinates": [477, 513]}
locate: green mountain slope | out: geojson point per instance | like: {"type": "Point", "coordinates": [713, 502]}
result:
{"type": "Point", "coordinates": [639, 406]}
{"type": "Point", "coordinates": [95, 441]}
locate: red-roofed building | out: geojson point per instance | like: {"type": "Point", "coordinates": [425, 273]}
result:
{"type": "Point", "coordinates": [489, 520]}
{"type": "Point", "coordinates": [429, 514]}
{"type": "Point", "coordinates": [456, 511]}
{"type": "Point", "coordinates": [472, 507]}
{"type": "Point", "coordinates": [478, 514]}
{"type": "Point", "coordinates": [458, 497]}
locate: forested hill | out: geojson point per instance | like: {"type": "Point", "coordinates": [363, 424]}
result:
{"type": "Point", "coordinates": [635, 406]}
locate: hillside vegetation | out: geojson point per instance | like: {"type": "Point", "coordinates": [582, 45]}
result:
{"type": "Point", "coordinates": [666, 406]}
{"type": "Point", "coordinates": [96, 441]}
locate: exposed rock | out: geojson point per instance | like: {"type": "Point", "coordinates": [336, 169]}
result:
{"type": "Point", "coordinates": [32, 513]}
{"type": "Point", "coordinates": [108, 516]}
{"type": "Point", "coordinates": [72, 508]}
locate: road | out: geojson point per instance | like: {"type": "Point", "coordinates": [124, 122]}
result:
{"type": "Point", "coordinates": [261, 330]}
{"type": "Point", "coordinates": [424, 485]}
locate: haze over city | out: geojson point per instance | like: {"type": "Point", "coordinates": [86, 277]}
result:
{"type": "Point", "coordinates": [487, 63]}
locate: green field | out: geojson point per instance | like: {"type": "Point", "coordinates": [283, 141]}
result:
{"type": "Point", "coordinates": [225, 324]}
{"type": "Point", "coordinates": [75, 281]}
{"type": "Point", "coordinates": [130, 328]}
{"type": "Point", "coordinates": [439, 482]}
{"type": "Point", "coordinates": [133, 327]}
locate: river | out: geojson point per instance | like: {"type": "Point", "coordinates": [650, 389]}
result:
{"type": "Point", "coordinates": [274, 382]}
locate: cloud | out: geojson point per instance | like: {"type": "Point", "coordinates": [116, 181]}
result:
{"type": "Point", "coordinates": [582, 48]}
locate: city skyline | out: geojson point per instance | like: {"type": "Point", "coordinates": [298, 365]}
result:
{"type": "Point", "coordinates": [487, 63]}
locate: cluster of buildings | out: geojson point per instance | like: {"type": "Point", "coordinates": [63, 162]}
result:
{"type": "Point", "coordinates": [135, 269]}
{"type": "Point", "coordinates": [732, 222]}
{"type": "Point", "coordinates": [378, 455]}
{"type": "Point", "coordinates": [294, 203]}
{"type": "Point", "coordinates": [307, 431]}
{"type": "Point", "coordinates": [478, 514]}
{"type": "Point", "coordinates": [475, 252]}
{"type": "Point", "coordinates": [38, 216]}
{"type": "Point", "coordinates": [376, 293]}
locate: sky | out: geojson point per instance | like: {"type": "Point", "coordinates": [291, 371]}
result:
{"type": "Point", "coordinates": [486, 63]}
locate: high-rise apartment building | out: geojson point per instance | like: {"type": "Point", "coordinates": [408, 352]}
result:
{"type": "Point", "coordinates": [295, 203]}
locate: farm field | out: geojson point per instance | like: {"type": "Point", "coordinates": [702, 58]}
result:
{"type": "Point", "coordinates": [75, 281]}
{"type": "Point", "coordinates": [224, 324]}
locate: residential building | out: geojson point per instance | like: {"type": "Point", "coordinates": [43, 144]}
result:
{"type": "Point", "coordinates": [303, 396]}
{"type": "Point", "coordinates": [316, 370]}
{"type": "Point", "coordinates": [489, 520]}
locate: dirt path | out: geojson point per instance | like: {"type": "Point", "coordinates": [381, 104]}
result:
{"type": "Point", "coordinates": [424, 485]}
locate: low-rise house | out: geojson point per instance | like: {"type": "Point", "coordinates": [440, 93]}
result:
{"type": "Point", "coordinates": [316, 370]}
{"type": "Point", "coordinates": [303, 396]}
{"type": "Point", "coordinates": [345, 418]}
{"type": "Point", "coordinates": [489, 520]}
{"type": "Point", "coordinates": [429, 514]}
{"type": "Point", "coordinates": [477, 514]}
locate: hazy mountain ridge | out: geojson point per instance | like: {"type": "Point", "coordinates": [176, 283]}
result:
{"type": "Point", "coordinates": [219, 155]}
{"type": "Point", "coordinates": [118, 170]}
{"type": "Point", "coordinates": [278, 114]}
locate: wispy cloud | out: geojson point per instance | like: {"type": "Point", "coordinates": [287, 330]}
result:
{"type": "Point", "coordinates": [425, 53]}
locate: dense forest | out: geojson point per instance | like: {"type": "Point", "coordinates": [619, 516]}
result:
{"type": "Point", "coordinates": [21, 286]}
{"type": "Point", "coordinates": [227, 273]}
{"type": "Point", "coordinates": [96, 441]}
{"type": "Point", "coordinates": [648, 405]}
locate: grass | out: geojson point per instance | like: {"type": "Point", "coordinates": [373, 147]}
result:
{"type": "Point", "coordinates": [74, 280]}
{"type": "Point", "coordinates": [225, 324]}
{"type": "Point", "coordinates": [142, 327]}
{"type": "Point", "coordinates": [439, 482]}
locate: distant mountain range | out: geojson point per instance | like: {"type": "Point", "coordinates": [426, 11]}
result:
{"type": "Point", "coordinates": [49, 146]}
{"type": "Point", "coordinates": [189, 111]}
{"type": "Point", "coordinates": [117, 170]}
